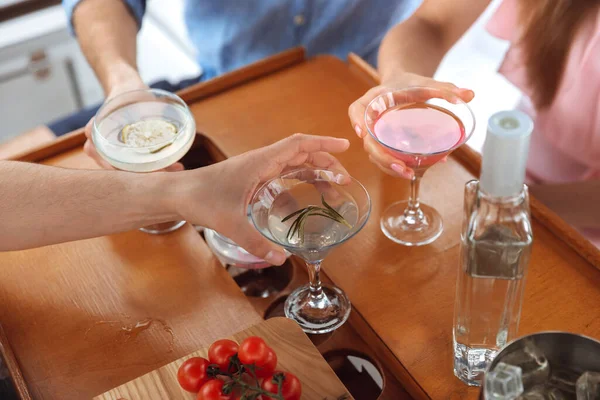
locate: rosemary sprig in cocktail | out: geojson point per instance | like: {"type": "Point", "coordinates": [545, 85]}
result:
{"type": "Point", "coordinates": [297, 227]}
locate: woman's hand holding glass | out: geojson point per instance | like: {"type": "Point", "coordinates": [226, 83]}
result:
{"type": "Point", "coordinates": [377, 154]}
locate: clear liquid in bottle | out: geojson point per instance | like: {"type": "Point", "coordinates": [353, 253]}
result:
{"type": "Point", "coordinates": [490, 287]}
{"type": "Point", "coordinates": [495, 250]}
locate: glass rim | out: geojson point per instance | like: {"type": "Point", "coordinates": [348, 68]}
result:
{"type": "Point", "coordinates": [218, 237]}
{"type": "Point", "coordinates": [172, 96]}
{"type": "Point", "coordinates": [355, 229]}
{"type": "Point", "coordinates": [412, 88]}
{"type": "Point", "coordinates": [224, 238]}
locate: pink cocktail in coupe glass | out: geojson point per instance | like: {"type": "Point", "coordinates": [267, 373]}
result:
{"type": "Point", "coordinates": [418, 126]}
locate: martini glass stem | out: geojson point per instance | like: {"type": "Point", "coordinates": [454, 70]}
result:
{"type": "Point", "coordinates": [314, 271]}
{"type": "Point", "coordinates": [413, 213]}
{"type": "Point", "coordinates": [413, 200]}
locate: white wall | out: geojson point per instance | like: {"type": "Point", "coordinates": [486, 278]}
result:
{"type": "Point", "coordinates": [27, 100]}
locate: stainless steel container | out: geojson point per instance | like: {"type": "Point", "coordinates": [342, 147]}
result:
{"type": "Point", "coordinates": [564, 351]}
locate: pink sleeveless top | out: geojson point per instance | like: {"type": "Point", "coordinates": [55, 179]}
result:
{"type": "Point", "coordinates": [565, 145]}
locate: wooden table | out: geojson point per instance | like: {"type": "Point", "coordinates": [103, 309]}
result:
{"type": "Point", "coordinates": [404, 296]}
{"type": "Point", "coordinates": [54, 300]}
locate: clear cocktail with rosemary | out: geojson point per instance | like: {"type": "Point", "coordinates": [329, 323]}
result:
{"type": "Point", "coordinates": [309, 213]}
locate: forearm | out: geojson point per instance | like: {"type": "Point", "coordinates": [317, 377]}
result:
{"type": "Point", "coordinates": [420, 55]}
{"type": "Point", "coordinates": [107, 32]}
{"type": "Point", "coordinates": [419, 44]}
{"type": "Point", "coordinates": [42, 205]}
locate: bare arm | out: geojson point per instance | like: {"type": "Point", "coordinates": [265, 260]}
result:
{"type": "Point", "coordinates": [41, 205]}
{"type": "Point", "coordinates": [107, 33]}
{"type": "Point", "coordinates": [418, 44]}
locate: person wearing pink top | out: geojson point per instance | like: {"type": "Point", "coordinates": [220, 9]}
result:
{"type": "Point", "coordinates": [554, 59]}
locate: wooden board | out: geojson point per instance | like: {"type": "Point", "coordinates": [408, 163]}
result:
{"type": "Point", "coordinates": [295, 353]}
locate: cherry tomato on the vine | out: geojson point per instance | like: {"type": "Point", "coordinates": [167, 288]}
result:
{"type": "Point", "coordinates": [291, 388]}
{"type": "Point", "coordinates": [239, 391]}
{"type": "Point", "coordinates": [238, 396]}
{"type": "Point", "coordinates": [253, 350]}
{"type": "Point", "coordinates": [213, 390]}
{"type": "Point", "coordinates": [192, 374]}
{"type": "Point", "coordinates": [220, 352]}
{"type": "Point", "coordinates": [262, 371]}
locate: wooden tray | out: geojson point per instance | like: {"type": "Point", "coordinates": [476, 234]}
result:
{"type": "Point", "coordinates": [402, 297]}
{"type": "Point", "coordinates": [15, 381]}
{"type": "Point", "coordinates": [295, 353]}
{"type": "Point", "coordinates": [67, 336]}
{"type": "Point", "coordinates": [263, 68]}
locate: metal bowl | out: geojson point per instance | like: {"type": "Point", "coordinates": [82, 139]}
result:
{"type": "Point", "coordinates": [562, 349]}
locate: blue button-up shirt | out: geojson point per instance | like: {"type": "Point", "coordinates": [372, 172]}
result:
{"type": "Point", "coordinates": [229, 34]}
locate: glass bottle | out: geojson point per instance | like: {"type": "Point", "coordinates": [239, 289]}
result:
{"type": "Point", "coordinates": [495, 248]}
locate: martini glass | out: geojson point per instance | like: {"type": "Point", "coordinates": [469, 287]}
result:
{"type": "Point", "coordinates": [144, 131]}
{"type": "Point", "coordinates": [317, 308]}
{"type": "Point", "coordinates": [419, 126]}
{"type": "Point", "coordinates": [254, 276]}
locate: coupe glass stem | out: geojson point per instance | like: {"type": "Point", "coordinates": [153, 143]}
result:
{"type": "Point", "coordinates": [314, 270]}
{"type": "Point", "coordinates": [413, 200]}
{"type": "Point", "coordinates": [413, 212]}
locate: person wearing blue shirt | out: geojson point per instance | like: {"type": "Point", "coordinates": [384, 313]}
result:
{"type": "Point", "coordinates": [228, 34]}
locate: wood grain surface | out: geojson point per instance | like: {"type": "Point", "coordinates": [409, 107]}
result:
{"type": "Point", "coordinates": [346, 339]}
{"type": "Point", "coordinates": [243, 75]}
{"type": "Point", "coordinates": [10, 362]}
{"type": "Point", "coordinates": [66, 308]}
{"type": "Point", "coordinates": [295, 354]}
{"type": "Point", "coordinates": [26, 142]}
{"type": "Point", "coordinates": [472, 160]}
{"type": "Point", "coordinates": [403, 297]}
{"type": "Point", "coordinates": [58, 146]}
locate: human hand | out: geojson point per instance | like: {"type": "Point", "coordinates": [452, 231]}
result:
{"type": "Point", "coordinates": [90, 149]}
{"type": "Point", "coordinates": [218, 196]}
{"type": "Point", "coordinates": [377, 154]}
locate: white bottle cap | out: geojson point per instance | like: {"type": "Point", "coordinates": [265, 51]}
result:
{"type": "Point", "coordinates": [505, 153]}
